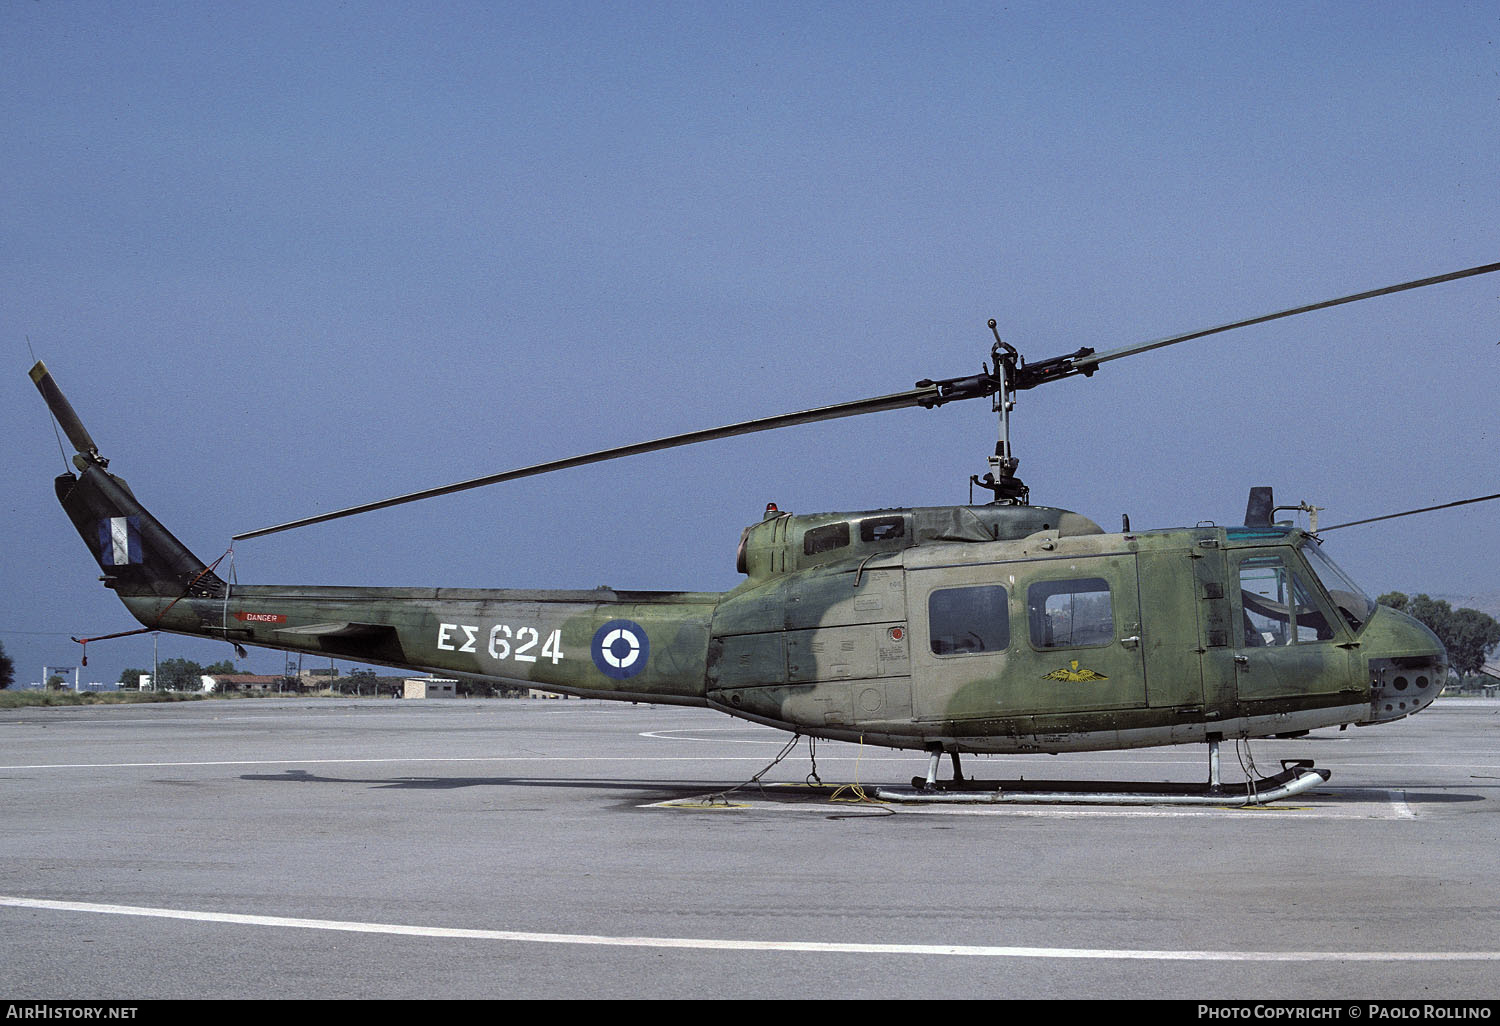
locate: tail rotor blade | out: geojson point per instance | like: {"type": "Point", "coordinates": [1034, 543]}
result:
{"type": "Point", "coordinates": [63, 411]}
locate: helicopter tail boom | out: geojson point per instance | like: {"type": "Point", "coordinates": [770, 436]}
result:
{"type": "Point", "coordinates": [634, 646]}
{"type": "Point", "coordinates": [593, 643]}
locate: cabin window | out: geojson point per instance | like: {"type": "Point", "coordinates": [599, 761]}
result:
{"type": "Point", "coordinates": [1278, 605]}
{"type": "Point", "coordinates": [962, 621]}
{"type": "Point", "coordinates": [825, 539]}
{"type": "Point", "coordinates": [1071, 614]}
{"type": "Point", "coordinates": [879, 529]}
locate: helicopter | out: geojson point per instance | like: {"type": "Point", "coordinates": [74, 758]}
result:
{"type": "Point", "coordinates": [993, 628]}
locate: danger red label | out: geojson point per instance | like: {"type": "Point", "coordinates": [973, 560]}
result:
{"type": "Point", "coordinates": [260, 617]}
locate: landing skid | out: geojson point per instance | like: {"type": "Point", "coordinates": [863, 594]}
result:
{"type": "Point", "coordinates": [1296, 777]}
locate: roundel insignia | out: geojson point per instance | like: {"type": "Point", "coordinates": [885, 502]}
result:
{"type": "Point", "coordinates": [620, 649]}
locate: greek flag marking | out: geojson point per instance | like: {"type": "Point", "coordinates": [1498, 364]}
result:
{"type": "Point", "coordinates": [119, 541]}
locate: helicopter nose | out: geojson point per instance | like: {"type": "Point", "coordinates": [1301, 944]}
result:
{"type": "Point", "coordinates": [1407, 665]}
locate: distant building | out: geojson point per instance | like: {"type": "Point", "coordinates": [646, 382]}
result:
{"type": "Point", "coordinates": [242, 682]}
{"type": "Point", "coordinates": [429, 687]}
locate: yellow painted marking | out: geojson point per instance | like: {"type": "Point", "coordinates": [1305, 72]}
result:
{"type": "Point", "coordinates": [702, 805]}
{"type": "Point", "coordinates": [1073, 674]}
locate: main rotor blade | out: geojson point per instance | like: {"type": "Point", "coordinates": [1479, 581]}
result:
{"type": "Point", "coordinates": [1086, 364]}
{"type": "Point", "coordinates": [1411, 512]}
{"type": "Point", "coordinates": [927, 393]}
{"type": "Point", "coordinates": [930, 395]}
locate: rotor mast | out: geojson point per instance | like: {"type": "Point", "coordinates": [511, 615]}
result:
{"type": "Point", "coordinates": [1001, 480]}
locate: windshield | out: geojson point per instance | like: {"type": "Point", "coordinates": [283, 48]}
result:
{"type": "Point", "coordinates": [1354, 605]}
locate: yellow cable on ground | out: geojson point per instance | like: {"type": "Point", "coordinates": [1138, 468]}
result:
{"type": "Point", "coordinates": [855, 788]}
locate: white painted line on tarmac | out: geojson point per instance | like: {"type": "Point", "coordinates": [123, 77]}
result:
{"type": "Point", "coordinates": [295, 761]}
{"type": "Point", "coordinates": [775, 737]}
{"type": "Point", "coordinates": [1399, 806]}
{"type": "Point", "coordinates": [726, 944]}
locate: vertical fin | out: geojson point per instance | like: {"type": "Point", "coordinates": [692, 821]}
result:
{"type": "Point", "coordinates": [136, 553]}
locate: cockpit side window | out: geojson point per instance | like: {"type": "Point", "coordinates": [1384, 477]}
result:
{"type": "Point", "coordinates": [1279, 606]}
{"type": "Point", "coordinates": [1263, 592]}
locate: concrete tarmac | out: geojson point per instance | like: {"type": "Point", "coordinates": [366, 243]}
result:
{"type": "Point", "coordinates": [339, 848]}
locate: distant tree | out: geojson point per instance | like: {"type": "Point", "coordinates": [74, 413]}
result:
{"type": "Point", "coordinates": [484, 689]}
{"type": "Point", "coordinates": [182, 674]}
{"type": "Point", "coordinates": [130, 677]}
{"type": "Point", "coordinates": [1475, 635]}
{"type": "Point", "coordinates": [55, 682]}
{"type": "Point", "coordinates": [1467, 634]}
{"type": "Point", "coordinates": [1395, 599]}
{"type": "Point", "coordinates": [178, 675]}
{"type": "Point", "coordinates": [358, 680]}
{"type": "Point", "coordinates": [7, 670]}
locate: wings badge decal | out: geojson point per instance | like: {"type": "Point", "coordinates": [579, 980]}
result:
{"type": "Point", "coordinates": [1073, 675]}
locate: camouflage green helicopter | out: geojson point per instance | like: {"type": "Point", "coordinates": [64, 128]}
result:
{"type": "Point", "coordinates": [994, 628]}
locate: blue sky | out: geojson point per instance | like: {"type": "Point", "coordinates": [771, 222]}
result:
{"type": "Point", "coordinates": [288, 257]}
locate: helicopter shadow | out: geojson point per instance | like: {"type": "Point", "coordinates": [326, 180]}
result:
{"type": "Point", "coordinates": [649, 791]}
{"type": "Point", "coordinates": [1410, 797]}
{"type": "Point", "coordinates": [639, 793]}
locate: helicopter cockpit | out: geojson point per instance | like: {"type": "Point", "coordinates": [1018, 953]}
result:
{"type": "Point", "coordinates": [1296, 604]}
{"type": "Point", "coordinates": [1284, 603]}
